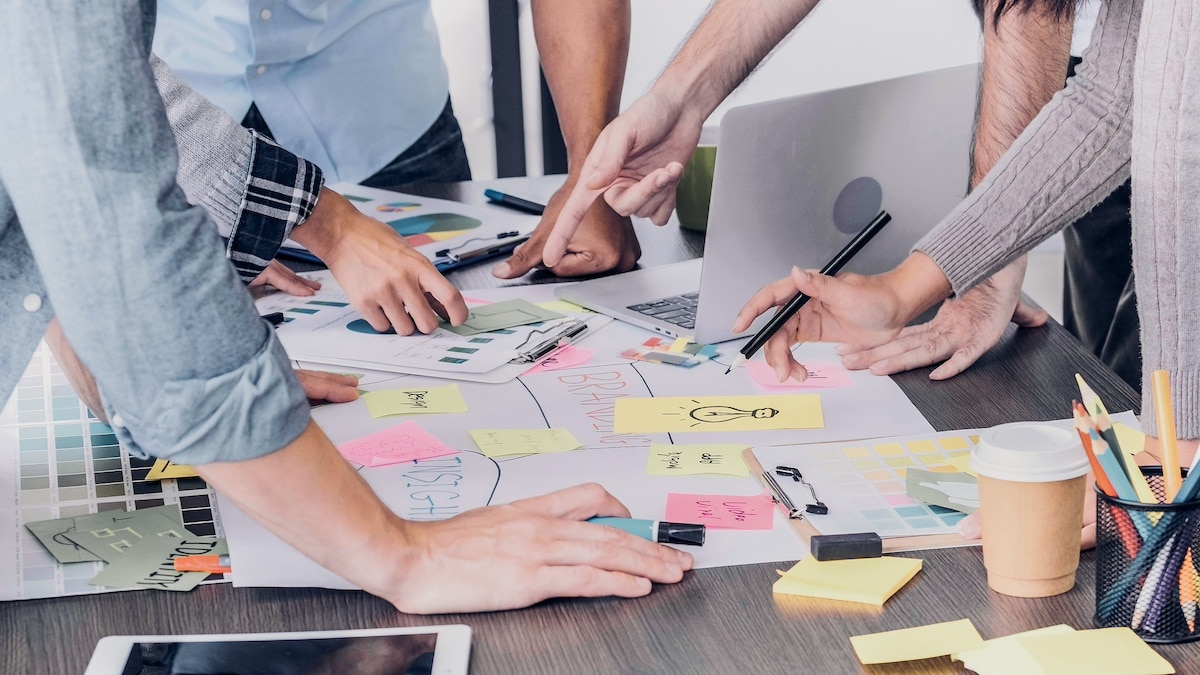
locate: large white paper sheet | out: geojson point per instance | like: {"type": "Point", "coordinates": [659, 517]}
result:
{"type": "Point", "coordinates": [579, 399]}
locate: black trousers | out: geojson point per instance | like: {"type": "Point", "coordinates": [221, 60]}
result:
{"type": "Point", "coordinates": [1099, 302]}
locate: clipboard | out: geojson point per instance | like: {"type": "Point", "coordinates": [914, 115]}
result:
{"type": "Point", "coordinates": [806, 530]}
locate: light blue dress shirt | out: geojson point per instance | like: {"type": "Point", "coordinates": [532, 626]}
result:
{"type": "Point", "coordinates": [348, 85]}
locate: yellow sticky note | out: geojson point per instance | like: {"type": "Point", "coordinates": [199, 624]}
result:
{"type": "Point", "coordinates": [922, 642]}
{"type": "Point", "coordinates": [164, 468]}
{"type": "Point", "coordinates": [686, 460]}
{"type": "Point", "coordinates": [1132, 441]}
{"type": "Point", "coordinates": [415, 401]}
{"type": "Point", "coordinates": [868, 580]}
{"type": "Point", "coordinates": [1113, 651]}
{"type": "Point", "coordinates": [889, 449]}
{"type": "Point", "coordinates": [717, 413]}
{"type": "Point", "coordinates": [563, 306]}
{"type": "Point", "coordinates": [503, 442]}
{"type": "Point", "coordinates": [678, 345]}
{"type": "Point", "coordinates": [1005, 655]}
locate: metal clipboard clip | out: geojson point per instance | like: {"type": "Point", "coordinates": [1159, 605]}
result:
{"type": "Point", "coordinates": [817, 507]}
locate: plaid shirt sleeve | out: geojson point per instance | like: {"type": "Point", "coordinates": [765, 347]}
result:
{"type": "Point", "coordinates": [281, 192]}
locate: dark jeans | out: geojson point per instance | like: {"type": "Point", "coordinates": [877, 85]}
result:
{"type": "Point", "coordinates": [438, 156]}
{"type": "Point", "coordinates": [1099, 303]}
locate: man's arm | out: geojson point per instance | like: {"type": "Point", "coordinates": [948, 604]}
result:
{"type": "Point", "coordinates": [584, 48]}
{"type": "Point", "coordinates": [637, 160]}
{"type": "Point", "coordinates": [1025, 54]}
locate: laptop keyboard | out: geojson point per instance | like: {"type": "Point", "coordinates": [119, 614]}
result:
{"type": "Point", "coordinates": [677, 309]}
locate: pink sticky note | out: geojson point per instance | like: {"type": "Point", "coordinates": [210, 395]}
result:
{"type": "Point", "coordinates": [820, 376]}
{"type": "Point", "coordinates": [476, 301]}
{"type": "Point", "coordinates": [567, 357]}
{"type": "Point", "coordinates": [722, 512]}
{"type": "Point", "coordinates": [401, 443]}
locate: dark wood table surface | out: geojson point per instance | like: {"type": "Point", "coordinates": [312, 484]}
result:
{"type": "Point", "coordinates": [723, 620]}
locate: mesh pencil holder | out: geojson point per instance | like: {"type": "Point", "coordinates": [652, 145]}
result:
{"type": "Point", "coordinates": [1148, 565]}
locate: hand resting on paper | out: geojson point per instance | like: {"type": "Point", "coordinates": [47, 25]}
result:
{"type": "Point", "coordinates": [278, 276]}
{"type": "Point", "coordinates": [493, 558]}
{"type": "Point", "coordinates": [388, 281]}
{"type": "Point", "coordinates": [962, 331]}
{"type": "Point", "coordinates": [332, 387]}
{"type": "Point", "coordinates": [970, 528]}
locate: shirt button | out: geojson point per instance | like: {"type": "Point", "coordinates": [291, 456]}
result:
{"type": "Point", "coordinates": [32, 302]}
{"type": "Point", "coordinates": [265, 15]}
{"type": "Point", "coordinates": [118, 421]}
{"type": "Point", "coordinates": [260, 70]}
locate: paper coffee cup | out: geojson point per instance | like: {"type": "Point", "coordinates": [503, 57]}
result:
{"type": "Point", "coordinates": [1031, 485]}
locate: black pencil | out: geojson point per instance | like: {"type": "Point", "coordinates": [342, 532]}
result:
{"type": "Point", "coordinates": [832, 267]}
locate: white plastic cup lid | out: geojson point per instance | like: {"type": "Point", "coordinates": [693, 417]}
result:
{"type": "Point", "coordinates": [1028, 452]}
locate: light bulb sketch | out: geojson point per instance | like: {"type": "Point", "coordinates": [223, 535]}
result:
{"type": "Point", "coordinates": [715, 414]}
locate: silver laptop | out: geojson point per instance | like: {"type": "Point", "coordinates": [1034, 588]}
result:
{"type": "Point", "coordinates": [795, 179]}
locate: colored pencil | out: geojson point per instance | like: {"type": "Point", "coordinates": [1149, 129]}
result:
{"type": "Point", "coordinates": [1172, 478]}
{"type": "Point", "coordinates": [1083, 425]}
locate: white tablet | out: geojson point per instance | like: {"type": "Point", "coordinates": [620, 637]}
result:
{"type": "Point", "coordinates": [420, 650]}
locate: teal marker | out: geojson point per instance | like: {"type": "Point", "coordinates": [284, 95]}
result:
{"type": "Point", "coordinates": [657, 530]}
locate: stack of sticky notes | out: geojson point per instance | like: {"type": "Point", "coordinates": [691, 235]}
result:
{"type": "Point", "coordinates": [682, 352]}
{"type": "Point", "coordinates": [1057, 650]}
{"type": "Point", "coordinates": [867, 580]}
{"type": "Point", "coordinates": [1062, 649]}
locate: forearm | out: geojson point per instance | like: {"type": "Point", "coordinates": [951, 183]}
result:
{"type": "Point", "coordinates": [584, 47]}
{"type": "Point", "coordinates": [309, 496]}
{"type": "Point", "coordinates": [1025, 58]}
{"type": "Point", "coordinates": [1073, 154]}
{"type": "Point", "coordinates": [727, 44]}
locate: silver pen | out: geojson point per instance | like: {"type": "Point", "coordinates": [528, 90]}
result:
{"type": "Point", "coordinates": [565, 337]}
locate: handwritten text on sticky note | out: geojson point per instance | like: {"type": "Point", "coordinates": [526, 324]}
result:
{"type": "Point", "coordinates": [820, 376]}
{"type": "Point", "coordinates": [502, 442]}
{"type": "Point", "coordinates": [722, 512]}
{"type": "Point", "coordinates": [686, 460]}
{"type": "Point", "coordinates": [401, 443]}
{"type": "Point", "coordinates": [717, 413]}
{"type": "Point", "coordinates": [415, 401]}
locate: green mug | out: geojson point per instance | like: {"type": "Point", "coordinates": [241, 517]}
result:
{"type": "Point", "coordinates": [694, 191]}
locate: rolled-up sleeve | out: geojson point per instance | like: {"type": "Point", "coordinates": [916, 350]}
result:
{"type": "Point", "coordinates": [254, 190]}
{"type": "Point", "coordinates": [137, 276]}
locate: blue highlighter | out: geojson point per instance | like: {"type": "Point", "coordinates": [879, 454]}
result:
{"type": "Point", "coordinates": [657, 530]}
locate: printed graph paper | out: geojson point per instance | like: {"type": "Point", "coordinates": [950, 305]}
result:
{"type": "Point", "coordinates": [56, 460]}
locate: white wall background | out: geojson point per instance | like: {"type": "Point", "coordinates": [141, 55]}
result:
{"type": "Point", "coordinates": [842, 42]}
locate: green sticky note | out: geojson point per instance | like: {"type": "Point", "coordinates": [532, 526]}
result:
{"type": "Point", "coordinates": [502, 442]}
{"type": "Point", "coordinates": [501, 315]}
{"type": "Point", "coordinates": [415, 401]}
{"type": "Point", "coordinates": [687, 460]}
{"type": "Point", "coordinates": [149, 564]}
{"type": "Point", "coordinates": [111, 534]}
{"type": "Point", "coordinates": [52, 535]}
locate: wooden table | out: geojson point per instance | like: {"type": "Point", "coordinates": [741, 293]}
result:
{"type": "Point", "coordinates": [722, 620]}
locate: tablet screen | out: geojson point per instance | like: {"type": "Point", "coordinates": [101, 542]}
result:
{"type": "Point", "coordinates": [436, 650]}
{"type": "Point", "coordinates": [377, 654]}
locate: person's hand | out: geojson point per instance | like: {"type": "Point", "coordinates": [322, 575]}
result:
{"type": "Point", "coordinates": [962, 331]}
{"type": "Point", "coordinates": [388, 281]}
{"type": "Point", "coordinates": [604, 242]}
{"type": "Point", "coordinates": [278, 276]}
{"type": "Point", "coordinates": [518, 554]}
{"type": "Point", "coordinates": [332, 387]}
{"type": "Point", "coordinates": [635, 163]}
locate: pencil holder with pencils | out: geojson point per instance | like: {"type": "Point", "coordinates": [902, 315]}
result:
{"type": "Point", "coordinates": [1148, 564]}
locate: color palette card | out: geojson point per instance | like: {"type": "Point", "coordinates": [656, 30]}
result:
{"type": "Point", "coordinates": [501, 315]}
{"type": "Point", "coordinates": [912, 644]}
{"type": "Point", "coordinates": [867, 580]}
{"type": "Point", "coordinates": [717, 413]}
